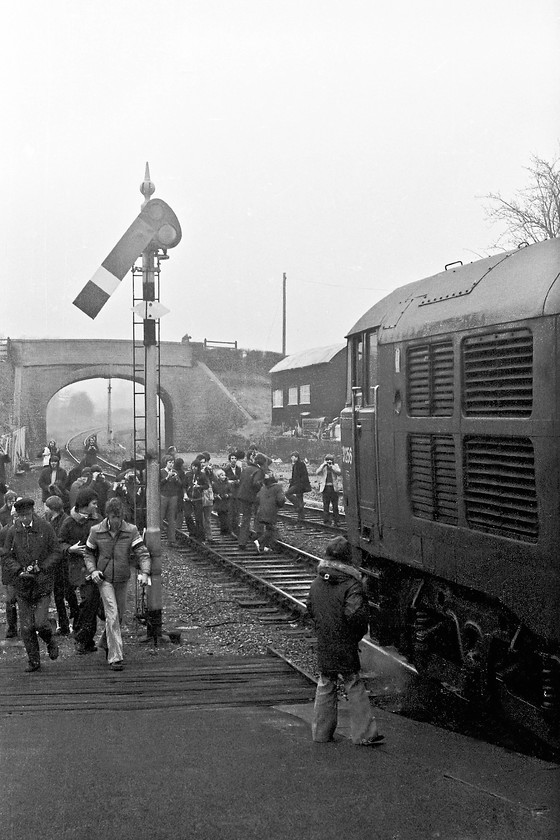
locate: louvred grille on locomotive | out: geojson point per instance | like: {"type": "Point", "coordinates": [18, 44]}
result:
{"type": "Point", "coordinates": [430, 380]}
{"type": "Point", "coordinates": [432, 480]}
{"type": "Point", "coordinates": [500, 491]}
{"type": "Point", "coordinates": [498, 374]}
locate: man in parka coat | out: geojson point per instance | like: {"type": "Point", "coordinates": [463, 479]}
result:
{"type": "Point", "coordinates": [109, 547]}
{"type": "Point", "coordinates": [270, 499]}
{"type": "Point", "coordinates": [31, 553]}
{"type": "Point", "coordinates": [338, 608]}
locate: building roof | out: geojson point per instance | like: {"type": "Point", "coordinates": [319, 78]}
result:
{"type": "Point", "coordinates": [315, 356]}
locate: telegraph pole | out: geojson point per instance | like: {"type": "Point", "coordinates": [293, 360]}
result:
{"type": "Point", "coordinates": [109, 420]}
{"type": "Point", "coordinates": [284, 314]}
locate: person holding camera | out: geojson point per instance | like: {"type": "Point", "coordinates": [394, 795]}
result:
{"type": "Point", "coordinates": [31, 553]}
{"type": "Point", "coordinates": [329, 486]}
{"type": "Point", "coordinates": [169, 488]}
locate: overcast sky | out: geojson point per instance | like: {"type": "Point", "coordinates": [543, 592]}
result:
{"type": "Point", "coordinates": [346, 143]}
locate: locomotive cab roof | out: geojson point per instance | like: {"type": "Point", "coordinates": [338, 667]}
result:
{"type": "Point", "coordinates": [510, 286]}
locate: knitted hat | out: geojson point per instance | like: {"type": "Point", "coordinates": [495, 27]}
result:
{"type": "Point", "coordinates": [339, 549]}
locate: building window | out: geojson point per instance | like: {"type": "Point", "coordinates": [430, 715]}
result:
{"type": "Point", "coordinates": [278, 398]}
{"type": "Point", "coordinates": [293, 396]}
{"type": "Point", "coordinates": [304, 394]}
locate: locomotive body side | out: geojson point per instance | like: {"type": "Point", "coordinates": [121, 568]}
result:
{"type": "Point", "coordinates": [451, 474]}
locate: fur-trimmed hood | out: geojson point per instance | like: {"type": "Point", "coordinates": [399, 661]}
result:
{"type": "Point", "coordinates": [335, 571]}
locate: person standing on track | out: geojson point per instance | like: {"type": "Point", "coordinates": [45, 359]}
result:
{"type": "Point", "coordinates": [251, 481]}
{"type": "Point", "coordinates": [108, 549]}
{"type": "Point", "coordinates": [169, 488]}
{"type": "Point", "coordinates": [233, 475]}
{"type": "Point", "coordinates": [329, 487]}
{"type": "Point", "coordinates": [31, 552]}
{"type": "Point", "coordinates": [338, 608]}
{"type": "Point", "coordinates": [299, 484]}
{"type": "Point", "coordinates": [270, 499]}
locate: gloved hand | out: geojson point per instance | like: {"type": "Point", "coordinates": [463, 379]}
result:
{"type": "Point", "coordinates": [143, 578]}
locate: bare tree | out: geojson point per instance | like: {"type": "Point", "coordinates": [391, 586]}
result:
{"type": "Point", "coordinates": [534, 213]}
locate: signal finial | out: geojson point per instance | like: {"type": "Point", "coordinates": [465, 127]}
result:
{"type": "Point", "coordinates": [147, 187]}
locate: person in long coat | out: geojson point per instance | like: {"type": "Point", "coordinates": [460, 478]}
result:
{"type": "Point", "coordinates": [299, 484]}
{"type": "Point", "coordinates": [339, 611]}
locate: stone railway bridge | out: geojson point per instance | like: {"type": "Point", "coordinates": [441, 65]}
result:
{"type": "Point", "coordinates": [189, 389]}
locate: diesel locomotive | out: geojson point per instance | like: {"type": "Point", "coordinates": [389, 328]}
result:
{"type": "Point", "coordinates": [451, 471]}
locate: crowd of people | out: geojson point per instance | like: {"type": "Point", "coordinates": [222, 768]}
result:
{"type": "Point", "coordinates": [78, 551]}
{"type": "Point", "coordinates": [88, 534]}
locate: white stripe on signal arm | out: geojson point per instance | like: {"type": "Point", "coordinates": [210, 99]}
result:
{"type": "Point", "coordinates": [106, 281]}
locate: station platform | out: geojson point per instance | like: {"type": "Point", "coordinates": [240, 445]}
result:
{"type": "Point", "coordinates": [219, 748]}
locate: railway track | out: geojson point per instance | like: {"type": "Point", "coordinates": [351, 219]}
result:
{"type": "Point", "coordinates": [313, 518]}
{"type": "Point", "coordinates": [72, 446]}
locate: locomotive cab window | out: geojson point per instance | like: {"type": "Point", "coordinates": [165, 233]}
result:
{"type": "Point", "coordinates": [371, 366]}
{"type": "Point", "coordinates": [356, 368]}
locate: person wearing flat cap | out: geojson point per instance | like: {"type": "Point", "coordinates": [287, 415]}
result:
{"type": "Point", "coordinates": [31, 554]}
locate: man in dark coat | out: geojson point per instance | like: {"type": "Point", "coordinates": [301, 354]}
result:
{"type": "Point", "coordinates": [73, 536]}
{"type": "Point", "coordinates": [31, 553]}
{"type": "Point", "coordinates": [270, 499]}
{"type": "Point", "coordinates": [7, 518]}
{"type": "Point", "coordinates": [299, 484]}
{"type": "Point", "coordinates": [233, 475]}
{"type": "Point", "coordinates": [338, 608]}
{"type": "Point", "coordinates": [62, 590]}
{"type": "Point", "coordinates": [53, 480]}
{"type": "Point", "coordinates": [250, 483]}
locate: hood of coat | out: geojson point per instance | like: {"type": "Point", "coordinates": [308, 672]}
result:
{"type": "Point", "coordinates": [334, 572]}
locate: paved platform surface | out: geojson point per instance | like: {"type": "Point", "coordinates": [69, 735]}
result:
{"type": "Point", "coordinates": [217, 772]}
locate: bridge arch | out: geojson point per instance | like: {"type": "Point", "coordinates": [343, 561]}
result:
{"type": "Point", "coordinates": [42, 367]}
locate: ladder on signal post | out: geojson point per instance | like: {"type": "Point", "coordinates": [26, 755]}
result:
{"type": "Point", "coordinates": [139, 374]}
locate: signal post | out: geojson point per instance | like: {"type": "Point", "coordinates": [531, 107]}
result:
{"type": "Point", "coordinates": [155, 230]}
